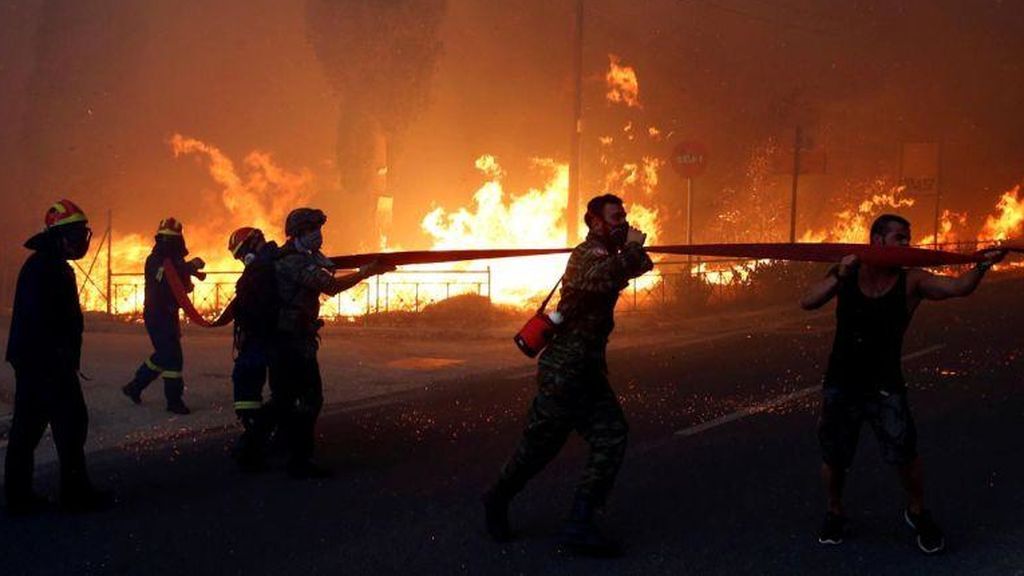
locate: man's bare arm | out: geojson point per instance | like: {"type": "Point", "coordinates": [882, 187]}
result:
{"type": "Point", "coordinates": [824, 290]}
{"type": "Point", "coordinates": [934, 287]}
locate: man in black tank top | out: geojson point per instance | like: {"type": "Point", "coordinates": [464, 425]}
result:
{"type": "Point", "coordinates": [864, 380]}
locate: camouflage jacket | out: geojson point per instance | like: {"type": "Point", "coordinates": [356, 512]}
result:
{"type": "Point", "coordinates": [593, 279]}
{"type": "Point", "coordinates": [302, 276]}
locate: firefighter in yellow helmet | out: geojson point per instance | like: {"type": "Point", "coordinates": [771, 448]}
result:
{"type": "Point", "coordinates": [44, 348]}
{"type": "Point", "coordinates": [160, 314]}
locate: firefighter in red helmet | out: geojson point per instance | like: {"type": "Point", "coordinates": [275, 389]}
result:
{"type": "Point", "coordinates": [255, 311]}
{"type": "Point", "coordinates": [45, 348]}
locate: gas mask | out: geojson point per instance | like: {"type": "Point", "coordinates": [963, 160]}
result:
{"type": "Point", "coordinates": [312, 240]}
{"type": "Point", "coordinates": [172, 246]}
{"type": "Point", "coordinates": [617, 234]}
{"type": "Point", "coordinates": [249, 258]}
{"type": "Point", "coordinates": [76, 241]}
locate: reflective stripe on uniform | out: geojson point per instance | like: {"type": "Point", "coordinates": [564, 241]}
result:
{"type": "Point", "coordinates": [160, 274]}
{"type": "Point", "coordinates": [152, 366]}
{"type": "Point", "coordinates": [171, 374]}
{"type": "Point", "coordinates": [248, 405]}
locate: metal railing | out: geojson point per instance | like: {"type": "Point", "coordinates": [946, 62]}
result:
{"type": "Point", "coordinates": [400, 290]}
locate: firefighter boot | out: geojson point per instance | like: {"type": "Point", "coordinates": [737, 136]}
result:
{"type": "Point", "coordinates": [26, 504]}
{"type": "Point", "coordinates": [496, 502]}
{"type": "Point", "coordinates": [84, 498]}
{"type": "Point", "coordinates": [250, 449]}
{"type": "Point", "coordinates": [581, 536]}
{"type": "Point", "coordinates": [174, 389]}
{"type": "Point", "coordinates": [132, 391]}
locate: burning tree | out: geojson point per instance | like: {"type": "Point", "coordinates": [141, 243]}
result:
{"type": "Point", "coordinates": [379, 56]}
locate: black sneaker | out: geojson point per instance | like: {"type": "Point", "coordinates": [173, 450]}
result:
{"type": "Point", "coordinates": [178, 407]}
{"type": "Point", "coordinates": [496, 515]}
{"type": "Point", "coordinates": [132, 393]}
{"type": "Point", "coordinates": [929, 536]}
{"type": "Point", "coordinates": [309, 470]}
{"type": "Point", "coordinates": [833, 529]}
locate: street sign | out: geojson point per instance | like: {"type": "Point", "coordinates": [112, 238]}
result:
{"type": "Point", "coordinates": [689, 159]}
{"type": "Point", "coordinates": [919, 168]}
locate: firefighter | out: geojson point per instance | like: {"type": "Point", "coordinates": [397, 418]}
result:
{"type": "Point", "coordinates": [160, 314]}
{"type": "Point", "coordinates": [255, 312]}
{"type": "Point", "coordinates": [44, 347]}
{"type": "Point", "coordinates": [303, 273]}
{"type": "Point", "coordinates": [574, 393]}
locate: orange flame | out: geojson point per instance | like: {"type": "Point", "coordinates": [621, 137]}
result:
{"type": "Point", "coordinates": [852, 224]}
{"type": "Point", "coordinates": [1008, 221]}
{"type": "Point", "coordinates": [534, 219]}
{"type": "Point", "coordinates": [623, 87]}
{"type": "Point", "coordinates": [951, 224]}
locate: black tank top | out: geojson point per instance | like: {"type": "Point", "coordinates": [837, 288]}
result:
{"type": "Point", "coordinates": [869, 338]}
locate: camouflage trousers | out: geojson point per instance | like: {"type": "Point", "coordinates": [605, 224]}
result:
{"type": "Point", "coordinates": [584, 403]}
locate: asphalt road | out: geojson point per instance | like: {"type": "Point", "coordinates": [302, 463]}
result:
{"type": "Point", "coordinates": [719, 479]}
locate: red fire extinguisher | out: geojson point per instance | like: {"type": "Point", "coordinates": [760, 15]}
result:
{"type": "Point", "coordinates": [534, 336]}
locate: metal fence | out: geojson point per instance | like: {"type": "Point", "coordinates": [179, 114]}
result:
{"type": "Point", "coordinates": [401, 290]}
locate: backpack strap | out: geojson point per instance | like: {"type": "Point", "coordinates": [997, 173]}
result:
{"type": "Point", "coordinates": [544, 304]}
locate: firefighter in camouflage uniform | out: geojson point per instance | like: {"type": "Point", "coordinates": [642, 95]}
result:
{"type": "Point", "coordinates": [574, 393]}
{"type": "Point", "coordinates": [303, 273]}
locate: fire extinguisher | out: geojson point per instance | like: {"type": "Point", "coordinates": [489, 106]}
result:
{"type": "Point", "coordinates": [534, 336]}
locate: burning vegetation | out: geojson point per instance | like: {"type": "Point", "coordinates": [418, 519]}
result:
{"type": "Point", "coordinates": [354, 42]}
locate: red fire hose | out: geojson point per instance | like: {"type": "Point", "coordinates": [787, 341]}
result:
{"type": "Point", "coordinates": [181, 295]}
{"type": "Point", "coordinates": [438, 256]}
{"type": "Point", "coordinates": [799, 252]}
{"type": "Point", "coordinates": [866, 253]}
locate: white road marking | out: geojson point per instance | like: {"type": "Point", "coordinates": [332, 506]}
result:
{"type": "Point", "coordinates": [777, 401]}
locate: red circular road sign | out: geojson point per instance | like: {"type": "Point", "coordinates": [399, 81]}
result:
{"type": "Point", "coordinates": [689, 159]}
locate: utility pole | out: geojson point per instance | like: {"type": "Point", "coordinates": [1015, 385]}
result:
{"type": "Point", "coordinates": [689, 211]}
{"type": "Point", "coordinates": [110, 240]}
{"type": "Point", "coordinates": [689, 221]}
{"type": "Point", "coordinates": [572, 209]}
{"type": "Point", "coordinates": [938, 194]}
{"type": "Point", "coordinates": [796, 178]}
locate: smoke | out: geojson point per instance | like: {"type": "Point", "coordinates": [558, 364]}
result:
{"type": "Point", "coordinates": [259, 195]}
{"type": "Point", "coordinates": [379, 57]}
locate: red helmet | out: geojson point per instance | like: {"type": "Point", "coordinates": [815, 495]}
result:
{"type": "Point", "coordinates": [64, 212]}
{"type": "Point", "coordinates": [169, 227]}
{"type": "Point", "coordinates": [240, 237]}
